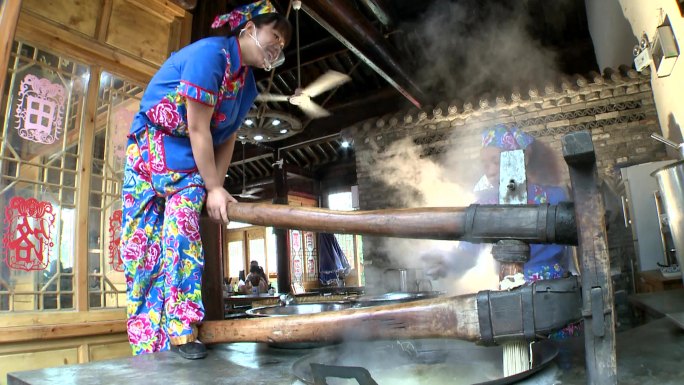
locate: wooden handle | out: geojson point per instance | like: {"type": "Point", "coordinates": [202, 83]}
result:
{"type": "Point", "coordinates": [454, 317]}
{"type": "Point", "coordinates": [475, 223]}
{"type": "Point", "coordinates": [425, 223]}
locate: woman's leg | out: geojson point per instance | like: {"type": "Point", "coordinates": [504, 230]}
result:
{"type": "Point", "coordinates": [141, 253]}
{"type": "Point", "coordinates": [183, 264]}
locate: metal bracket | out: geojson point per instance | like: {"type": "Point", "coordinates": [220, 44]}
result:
{"type": "Point", "coordinates": [598, 311]}
{"type": "Point", "coordinates": [361, 375]}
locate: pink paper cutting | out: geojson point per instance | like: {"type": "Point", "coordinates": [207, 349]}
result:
{"type": "Point", "coordinates": [28, 233]}
{"type": "Point", "coordinates": [40, 109]}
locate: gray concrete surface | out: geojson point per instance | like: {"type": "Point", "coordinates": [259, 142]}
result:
{"type": "Point", "coordinates": [651, 354]}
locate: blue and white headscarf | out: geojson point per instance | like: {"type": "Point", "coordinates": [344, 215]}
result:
{"type": "Point", "coordinates": [505, 138]}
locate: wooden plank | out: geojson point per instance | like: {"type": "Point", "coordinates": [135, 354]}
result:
{"type": "Point", "coordinates": [109, 351]}
{"type": "Point", "coordinates": [43, 33]}
{"type": "Point", "coordinates": [148, 40]}
{"type": "Point", "coordinates": [80, 16]}
{"type": "Point", "coordinates": [186, 31]}
{"type": "Point", "coordinates": [32, 346]}
{"type": "Point", "coordinates": [597, 291]}
{"type": "Point", "coordinates": [83, 353]}
{"type": "Point", "coordinates": [30, 319]}
{"type": "Point", "coordinates": [9, 15]}
{"type": "Point", "coordinates": [37, 360]}
{"type": "Point", "coordinates": [174, 36]}
{"type": "Point", "coordinates": [82, 203]}
{"type": "Point", "coordinates": [51, 332]}
{"type": "Point", "coordinates": [166, 10]}
{"type": "Point", "coordinates": [103, 22]}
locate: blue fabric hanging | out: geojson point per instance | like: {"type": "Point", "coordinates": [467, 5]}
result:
{"type": "Point", "coordinates": [333, 264]}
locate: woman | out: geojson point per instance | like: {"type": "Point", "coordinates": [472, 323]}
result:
{"type": "Point", "coordinates": [179, 149]}
{"type": "Point", "coordinates": [255, 279]}
{"type": "Point", "coordinates": [543, 177]}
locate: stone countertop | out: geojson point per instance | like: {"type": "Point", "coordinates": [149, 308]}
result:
{"type": "Point", "coordinates": [651, 354]}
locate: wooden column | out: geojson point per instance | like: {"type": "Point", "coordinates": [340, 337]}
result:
{"type": "Point", "coordinates": [85, 173]}
{"type": "Point", "coordinates": [9, 15]}
{"type": "Point", "coordinates": [598, 308]}
{"type": "Point", "coordinates": [212, 278]}
{"type": "Point", "coordinates": [284, 278]}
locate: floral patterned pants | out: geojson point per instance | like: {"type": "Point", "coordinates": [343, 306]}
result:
{"type": "Point", "coordinates": [160, 246]}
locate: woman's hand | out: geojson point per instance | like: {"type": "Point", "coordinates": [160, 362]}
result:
{"type": "Point", "coordinates": [217, 204]}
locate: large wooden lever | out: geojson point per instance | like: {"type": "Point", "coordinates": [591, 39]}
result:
{"type": "Point", "coordinates": [475, 223]}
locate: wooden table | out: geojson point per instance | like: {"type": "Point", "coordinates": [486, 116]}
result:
{"type": "Point", "coordinates": [241, 302]}
{"type": "Point", "coordinates": [653, 280]}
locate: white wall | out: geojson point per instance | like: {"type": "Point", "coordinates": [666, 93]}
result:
{"type": "Point", "coordinates": [646, 16]}
{"type": "Point", "coordinates": [610, 33]}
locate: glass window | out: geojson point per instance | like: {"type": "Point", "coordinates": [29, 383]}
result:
{"type": "Point", "coordinates": [40, 128]}
{"type": "Point", "coordinates": [117, 104]}
{"type": "Point", "coordinates": [257, 247]}
{"type": "Point", "coordinates": [236, 258]}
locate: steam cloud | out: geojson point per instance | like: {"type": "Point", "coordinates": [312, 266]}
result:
{"type": "Point", "coordinates": [464, 49]}
{"type": "Point", "coordinates": [422, 182]}
{"type": "Point", "coordinates": [468, 49]}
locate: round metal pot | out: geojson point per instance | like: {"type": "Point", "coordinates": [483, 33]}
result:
{"type": "Point", "coordinates": [393, 297]}
{"type": "Point", "coordinates": [298, 309]}
{"type": "Point", "coordinates": [422, 361]}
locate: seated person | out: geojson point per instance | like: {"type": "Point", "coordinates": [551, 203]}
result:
{"type": "Point", "coordinates": [255, 279]}
{"type": "Point", "coordinates": [261, 269]}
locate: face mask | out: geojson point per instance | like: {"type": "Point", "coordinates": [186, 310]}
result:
{"type": "Point", "coordinates": [273, 54]}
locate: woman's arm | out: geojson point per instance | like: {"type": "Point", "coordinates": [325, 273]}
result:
{"type": "Point", "coordinates": [199, 117]}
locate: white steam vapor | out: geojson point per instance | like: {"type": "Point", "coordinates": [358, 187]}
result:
{"type": "Point", "coordinates": [468, 49]}
{"type": "Point", "coordinates": [422, 182]}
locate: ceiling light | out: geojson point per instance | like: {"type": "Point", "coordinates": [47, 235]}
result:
{"type": "Point", "coordinates": [345, 144]}
{"type": "Point", "coordinates": [270, 126]}
{"type": "Point", "coordinates": [258, 137]}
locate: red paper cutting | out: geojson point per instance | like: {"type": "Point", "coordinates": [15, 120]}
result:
{"type": "Point", "coordinates": [28, 233]}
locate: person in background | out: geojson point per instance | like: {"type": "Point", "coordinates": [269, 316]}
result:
{"type": "Point", "coordinates": [543, 170]}
{"type": "Point", "coordinates": [255, 279]}
{"type": "Point", "coordinates": [179, 149]}
{"type": "Point", "coordinates": [543, 179]}
{"type": "Point", "coordinates": [261, 269]}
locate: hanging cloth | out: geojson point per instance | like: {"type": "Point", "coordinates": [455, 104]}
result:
{"type": "Point", "coordinates": [332, 261]}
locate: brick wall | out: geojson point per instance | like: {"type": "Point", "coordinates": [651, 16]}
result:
{"type": "Point", "coordinates": [442, 143]}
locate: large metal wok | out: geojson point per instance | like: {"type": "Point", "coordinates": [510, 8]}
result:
{"type": "Point", "coordinates": [297, 309]}
{"type": "Point", "coordinates": [423, 361]}
{"type": "Point", "coordinates": [392, 297]}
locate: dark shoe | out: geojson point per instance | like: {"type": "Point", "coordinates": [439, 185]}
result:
{"type": "Point", "coordinates": [192, 350]}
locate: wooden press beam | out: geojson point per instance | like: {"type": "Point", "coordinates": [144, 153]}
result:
{"type": "Point", "coordinates": [597, 292]}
